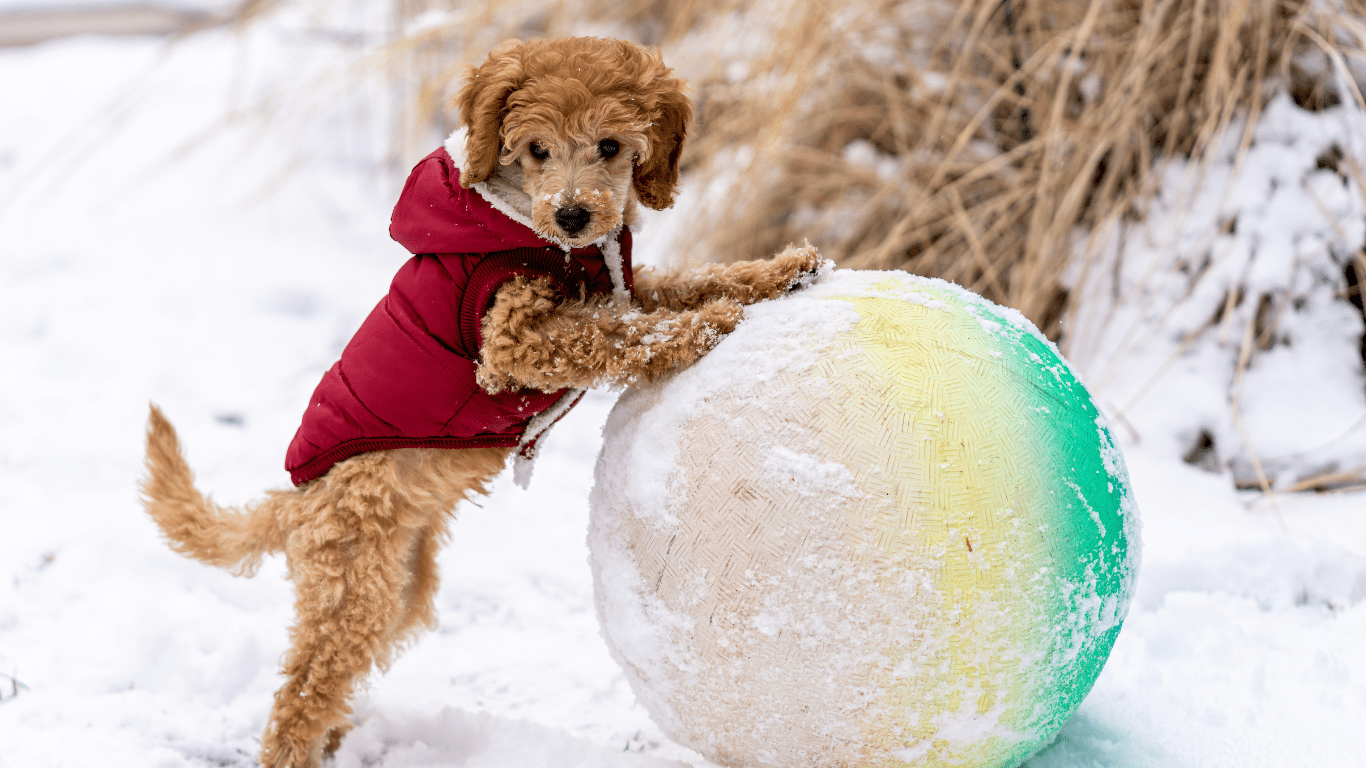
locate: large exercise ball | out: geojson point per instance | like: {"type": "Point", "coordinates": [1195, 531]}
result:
{"type": "Point", "coordinates": [880, 524]}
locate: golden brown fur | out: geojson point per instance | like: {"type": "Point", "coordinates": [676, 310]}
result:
{"type": "Point", "coordinates": [566, 95]}
{"type": "Point", "coordinates": [361, 541]}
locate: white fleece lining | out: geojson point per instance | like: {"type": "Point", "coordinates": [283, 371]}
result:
{"type": "Point", "coordinates": [536, 428]}
{"type": "Point", "coordinates": [611, 255]}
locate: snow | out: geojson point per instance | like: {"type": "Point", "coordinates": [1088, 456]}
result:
{"type": "Point", "coordinates": [1257, 246]}
{"type": "Point", "coordinates": [151, 249]}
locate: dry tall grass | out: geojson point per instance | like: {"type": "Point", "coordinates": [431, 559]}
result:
{"type": "Point", "coordinates": [976, 142]}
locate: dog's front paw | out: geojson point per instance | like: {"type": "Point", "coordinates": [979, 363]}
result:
{"type": "Point", "coordinates": [491, 382]}
{"type": "Point", "coordinates": [719, 317]}
{"type": "Point", "coordinates": [801, 265]}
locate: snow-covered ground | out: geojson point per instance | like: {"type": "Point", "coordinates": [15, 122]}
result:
{"type": "Point", "coordinates": [152, 250]}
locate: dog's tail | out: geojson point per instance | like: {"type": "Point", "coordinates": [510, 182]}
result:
{"type": "Point", "coordinates": [196, 527]}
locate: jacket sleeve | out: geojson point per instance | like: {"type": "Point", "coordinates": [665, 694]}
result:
{"type": "Point", "coordinates": [498, 268]}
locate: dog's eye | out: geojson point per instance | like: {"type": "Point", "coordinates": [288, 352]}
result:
{"type": "Point", "coordinates": [608, 148]}
{"type": "Point", "coordinates": [539, 152]}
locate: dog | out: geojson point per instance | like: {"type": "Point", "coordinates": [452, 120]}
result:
{"type": "Point", "coordinates": [520, 295]}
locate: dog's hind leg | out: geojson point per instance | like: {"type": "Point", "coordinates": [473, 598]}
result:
{"type": "Point", "coordinates": [346, 556]}
{"type": "Point", "coordinates": [364, 564]}
{"type": "Point", "coordinates": [416, 608]}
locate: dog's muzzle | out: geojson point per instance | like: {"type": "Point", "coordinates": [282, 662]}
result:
{"type": "Point", "coordinates": [572, 219]}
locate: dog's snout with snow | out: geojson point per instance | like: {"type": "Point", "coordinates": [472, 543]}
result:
{"type": "Point", "coordinates": [572, 219]}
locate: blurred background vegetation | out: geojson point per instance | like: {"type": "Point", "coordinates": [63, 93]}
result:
{"type": "Point", "coordinates": [977, 141]}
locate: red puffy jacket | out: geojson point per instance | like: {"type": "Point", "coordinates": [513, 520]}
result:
{"type": "Point", "coordinates": [406, 379]}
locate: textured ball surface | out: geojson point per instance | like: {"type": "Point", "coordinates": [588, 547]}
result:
{"type": "Point", "coordinates": [881, 524]}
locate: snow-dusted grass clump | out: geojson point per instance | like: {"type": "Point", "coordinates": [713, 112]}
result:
{"type": "Point", "coordinates": [1238, 296]}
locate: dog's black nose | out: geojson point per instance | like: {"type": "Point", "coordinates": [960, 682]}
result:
{"type": "Point", "coordinates": [572, 218]}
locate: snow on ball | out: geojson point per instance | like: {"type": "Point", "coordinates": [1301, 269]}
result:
{"type": "Point", "coordinates": [881, 524]}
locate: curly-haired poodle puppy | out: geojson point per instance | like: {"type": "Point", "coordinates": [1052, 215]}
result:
{"type": "Point", "coordinates": [520, 294]}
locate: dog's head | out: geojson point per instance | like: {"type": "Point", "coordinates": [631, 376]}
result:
{"type": "Point", "coordinates": [588, 122]}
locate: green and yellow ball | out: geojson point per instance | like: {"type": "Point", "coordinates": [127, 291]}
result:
{"type": "Point", "coordinates": [881, 524]}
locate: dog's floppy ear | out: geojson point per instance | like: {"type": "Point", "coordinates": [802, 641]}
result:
{"type": "Point", "coordinates": [656, 178]}
{"type": "Point", "coordinates": [481, 101]}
